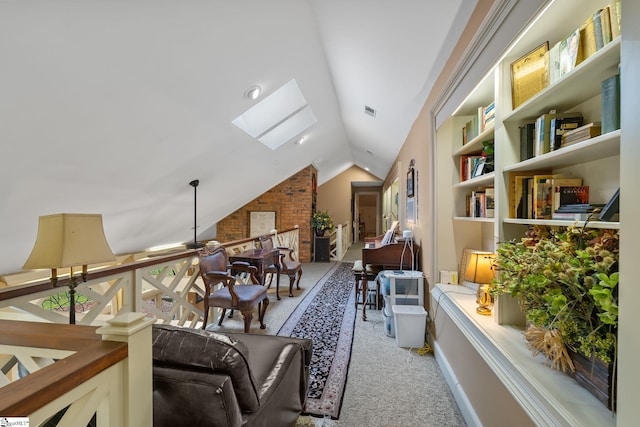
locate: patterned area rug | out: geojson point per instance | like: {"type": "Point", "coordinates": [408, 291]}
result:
{"type": "Point", "coordinates": [327, 316]}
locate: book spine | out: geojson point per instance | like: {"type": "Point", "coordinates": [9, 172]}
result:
{"type": "Point", "coordinates": [554, 63]}
{"type": "Point", "coordinates": [606, 25]}
{"type": "Point", "coordinates": [573, 194]}
{"type": "Point", "coordinates": [597, 29]}
{"type": "Point", "coordinates": [572, 216]}
{"type": "Point", "coordinates": [610, 104]}
{"type": "Point", "coordinates": [490, 196]}
{"type": "Point", "coordinates": [588, 37]}
{"type": "Point", "coordinates": [542, 197]}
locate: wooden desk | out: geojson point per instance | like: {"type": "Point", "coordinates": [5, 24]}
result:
{"type": "Point", "coordinates": [393, 256]}
{"type": "Point", "coordinates": [261, 258]}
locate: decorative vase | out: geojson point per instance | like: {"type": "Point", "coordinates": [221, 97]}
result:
{"type": "Point", "coordinates": [319, 233]}
{"type": "Point", "coordinates": [596, 376]}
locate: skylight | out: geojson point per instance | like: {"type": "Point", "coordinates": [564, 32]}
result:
{"type": "Point", "coordinates": [279, 117]}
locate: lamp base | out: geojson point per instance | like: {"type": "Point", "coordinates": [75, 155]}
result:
{"type": "Point", "coordinates": [485, 311]}
{"type": "Point", "coordinates": [195, 245]}
{"type": "Point", "coordinates": [484, 300]}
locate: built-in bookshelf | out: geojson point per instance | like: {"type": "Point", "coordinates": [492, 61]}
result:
{"type": "Point", "coordinates": [596, 161]}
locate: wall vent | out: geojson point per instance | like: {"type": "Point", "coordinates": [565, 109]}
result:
{"type": "Point", "coordinates": [369, 111]}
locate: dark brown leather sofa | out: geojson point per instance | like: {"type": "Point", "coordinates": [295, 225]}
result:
{"type": "Point", "coordinates": [204, 378]}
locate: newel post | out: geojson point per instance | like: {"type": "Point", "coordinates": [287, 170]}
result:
{"type": "Point", "coordinates": [137, 393]}
{"type": "Point", "coordinates": [339, 244]}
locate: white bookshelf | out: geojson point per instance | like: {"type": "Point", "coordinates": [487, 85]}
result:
{"type": "Point", "coordinates": [597, 161]}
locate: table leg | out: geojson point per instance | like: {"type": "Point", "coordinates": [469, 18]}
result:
{"type": "Point", "coordinates": [277, 281]}
{"type": "Point", "coordinates": [364, 297]}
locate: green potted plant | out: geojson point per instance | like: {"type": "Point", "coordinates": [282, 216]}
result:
{"type": "Point", "coordinates": [565, 280]}
{"type": "Point", "coordinates": [321, 222]}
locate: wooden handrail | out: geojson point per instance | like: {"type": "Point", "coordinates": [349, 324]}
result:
{"type": "Point", "coordinates": [92, 356]}
{"type": "Point", "coordinates": [31, 288]}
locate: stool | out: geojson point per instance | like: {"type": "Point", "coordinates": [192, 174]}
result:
{"type": "Point", "coordinates": [369, 273]}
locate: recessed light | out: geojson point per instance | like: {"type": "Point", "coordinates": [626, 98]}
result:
{"type": "Point", "coordinates": [300, 140]}
{"type": "Point", "coordinates": [253, 92]}
{"type": "Point", "coordinates": [367, 169]}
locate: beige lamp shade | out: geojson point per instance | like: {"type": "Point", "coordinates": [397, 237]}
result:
{"type": "Point", "coordinates": [68, 240]}
{"type": "Point", "coordinates": [479, 269]}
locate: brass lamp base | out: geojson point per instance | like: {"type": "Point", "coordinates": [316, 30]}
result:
{"type": "Point", "coordinates": [485, 311]}
{"type": "Point", "coordinates": [484, 300]}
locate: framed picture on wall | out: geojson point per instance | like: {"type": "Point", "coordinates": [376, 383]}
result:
{"type": "Point", "coordinates": [410, 183]}
{"type": "Point", "coordinates": [261, 223]}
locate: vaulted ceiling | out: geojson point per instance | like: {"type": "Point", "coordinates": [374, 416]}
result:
{"type": "Point", "coordinates": [113, 107]}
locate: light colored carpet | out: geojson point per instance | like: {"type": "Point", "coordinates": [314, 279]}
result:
{"type": "Point", "coordinates": [387, 385]}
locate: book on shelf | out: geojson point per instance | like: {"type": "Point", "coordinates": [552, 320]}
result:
{"type": "Point", "coordinates": [610, 89]}
{"type": "Point", "coordinates": [542, 133]}
{"type": "Point", "coordinates": [476, 204]}
{"type": "Point", "coordinates": [578, 208]}
{"type": "Point", "coordinates": [614, 18]}
{"type": "Point", "coordinates": [610, 210]}
{"type": "Point", "coordinates": [468, 165]}
{"type": "Point", "coordinates": [488, 116]}
{"type": "Point", "coordinates": [559, 126]}
{"type": "Point", "coordinates": [580, 134]}
{"type": "Point", "coordinates": [606, 25]}
{"type": "Point", "coordinates": [490, 200]}
{"type": "Point", "coordinates": [588, 37]}
{"type": "Point", "coordinates": [562, 182]}
{"type": "Point", "coordinates": [554, 63]}
{"type": "Point", "coordinates": [570, 52]}
{"type": "Point", "coordinates": [529, 74]}
{"type": "Point", "coordinates": [572, 195]}
{"type": "Point", "coordinates": [597, 29]}
{"type": "Point", "coordinates": [569, 216]}
{"type": "Point", "coordinates": [542, 196]}
{"type": "Point", "coordinates": [578, 212]}
{"type": "Point", "coordinates": [526, 141]}
{"type": "Point", "coordinates": [519, 192]}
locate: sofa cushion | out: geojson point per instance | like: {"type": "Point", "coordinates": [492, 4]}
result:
{"type": "Point", "coordinates": [207, 352]}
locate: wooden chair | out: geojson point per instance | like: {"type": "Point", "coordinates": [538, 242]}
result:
{"type": "Point", "coordinates": [215, 270]}
{"type": "Point", "coordinates": [288, 264]}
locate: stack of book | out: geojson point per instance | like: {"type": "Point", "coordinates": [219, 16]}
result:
{"type": "Point", "coordinates": [580, 134]}
{"type": "Point", "coordinates": [577, 212]}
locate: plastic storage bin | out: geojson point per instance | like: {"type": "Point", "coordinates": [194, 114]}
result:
{"type": "Point", "coordinates": [410, 325]}
{"type": "Point", "coordinates": [403, 287]}
{"type": "Point", "coordinates": [389, 321]}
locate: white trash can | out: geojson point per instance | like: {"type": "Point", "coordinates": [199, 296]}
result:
{"type": "Point", "coordinates": [389, 321]}
{"type": "Point", "coordinates": [410, 324]}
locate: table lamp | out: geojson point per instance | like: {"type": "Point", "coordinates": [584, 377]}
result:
{"type": "Point", "coordinates": [69, 240]}
{"type": "Point", "coordinates": [480, 270]}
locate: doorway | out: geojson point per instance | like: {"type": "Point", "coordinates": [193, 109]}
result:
{"type": "Point", "coordinates": [367, 218]}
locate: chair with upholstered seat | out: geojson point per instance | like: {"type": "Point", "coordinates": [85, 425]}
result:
{"type": "Point", "coordinates": [288, 265]}
{"type": "Point", "coordinates": [215, 270]}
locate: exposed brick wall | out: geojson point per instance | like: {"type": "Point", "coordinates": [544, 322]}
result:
{"type": "Point", "coordinates": [291, 200]}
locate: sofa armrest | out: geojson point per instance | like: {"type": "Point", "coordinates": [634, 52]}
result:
{"type": "Point", "coordinates": [207, 352]}
{"type": "Point", "coordinates": [203, 399]}
{"type": "Point", "coordinates": [268, 354]}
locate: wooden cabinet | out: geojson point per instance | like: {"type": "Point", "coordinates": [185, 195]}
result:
{"type": "Point", "coordinates": [321, 248]}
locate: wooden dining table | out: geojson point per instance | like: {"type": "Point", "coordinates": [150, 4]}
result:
{"type": "Point", "coordinates": [261, 259]}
